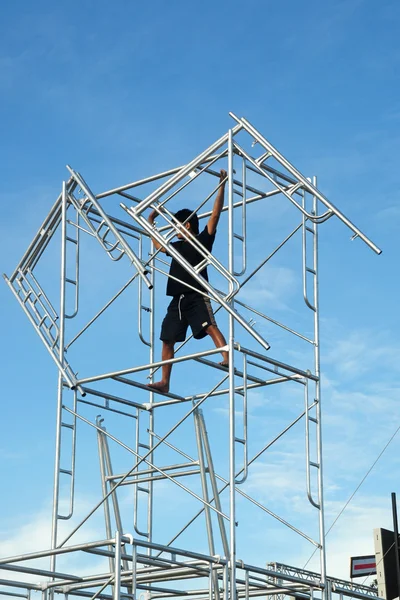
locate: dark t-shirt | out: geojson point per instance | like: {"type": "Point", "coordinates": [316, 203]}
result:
{"type": "Point", "coordinates": [175, 288]}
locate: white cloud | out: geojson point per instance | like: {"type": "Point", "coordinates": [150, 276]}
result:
{"type": "Point", "coordinates": [360, 352]}
{"type": "Point", "coordinates": [271, 288]}
{"type": "Point", "coordinates": [33, 534]}
{"type": "Point", "coordinates": [352, 535]}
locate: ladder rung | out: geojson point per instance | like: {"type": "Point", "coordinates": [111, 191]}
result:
{"type": "Point", "coordinates": [67, 425]}
{"type": "Point", "coordinates": [146, 308]}
{"type": "Point", "coordinates": [202, 265]}
{"type": "Point", "coordinates": [239, 440]}
{"type": "Point", "coordinates": [42, 320]}
{"type": "Point", "coordinates": [313, 271]}
{"type": "Point", "coordinates": [313, 419]}
{"type": "Point", "coordinates": [69, 239]}
{"type": "Point", "coordinates": [66, 471]}
{"type": "Point", "coordinates": [314, 464]}
{"type": "Point", "coordinates": [145, 446]}
{"type": "Point", "coordinates": [238, 237]}
{"type": "Point", "coordinates": [99, 228]}
{"type": "Point", "coordinates": [310, 230]}
{"type": "Point", "coordinates": [68, 280]}
{"type": "Point", "coordinates": [145, 490]}
{"type": "Point", "coordinates": [294, 188]}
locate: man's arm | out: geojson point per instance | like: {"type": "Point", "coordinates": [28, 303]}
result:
{"type": "Point", "coordinates": [218, 204]}
{"type": "Point", "coordinates": [151, 218]}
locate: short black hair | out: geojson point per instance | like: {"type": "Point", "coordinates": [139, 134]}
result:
{"type": "Point", "coordinates": [183, 216]}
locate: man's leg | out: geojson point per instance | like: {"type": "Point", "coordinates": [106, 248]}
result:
{"type": "Point", "coordinates": [218, 338]}
{"type": "Point", "coordinates": [163, 384]}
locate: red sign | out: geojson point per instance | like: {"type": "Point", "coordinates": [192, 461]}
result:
{"type": "Point", "coordinates": [361, 566]}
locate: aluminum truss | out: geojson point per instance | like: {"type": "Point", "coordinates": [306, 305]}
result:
{"type": "Point", "coordinates": [141, 561]}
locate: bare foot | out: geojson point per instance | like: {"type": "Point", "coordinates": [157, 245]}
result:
{"type": "Point", "coordinates": [160, 386]}
{"type": "Point", "coordinates": [225, 359]}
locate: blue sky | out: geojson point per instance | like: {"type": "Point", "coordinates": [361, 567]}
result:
{"type": "Point", "coordinates": [124, 91]}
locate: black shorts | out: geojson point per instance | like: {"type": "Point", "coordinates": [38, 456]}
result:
{"type": "Point", "coordinates": [187, 309]}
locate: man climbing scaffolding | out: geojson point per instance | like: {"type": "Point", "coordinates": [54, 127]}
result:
{"type": "Point", "coordinates": [187, 306]}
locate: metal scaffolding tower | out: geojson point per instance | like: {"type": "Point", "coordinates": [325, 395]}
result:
{"type": "Point", "coordinates": [205, 455]}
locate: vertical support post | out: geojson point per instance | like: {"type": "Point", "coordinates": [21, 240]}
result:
{"type": "Point", "coordinates": [226, 581]}
{"type": "Point", "coordinates": [56, 490]}
{"type": "Point", "coordinates": [103, 473]}
{"type": "Point", "coordinates": [203, 480]}
{"type": "Point", "coordinates": [217, 499]}
{"type": "Point", "coordinates": [151, 394]}
{"type": "Point", "coordinates": [396, 540]}
{"type": "Point", "coordinates": [117, 572]}
{"type": "Point", "coordinates": [232, 507]}
{"type": "Point", "coordinates": [318, 403]}
{"type": "Point", "coordinates": [210, 582]}
{"type": "Point", "coordinates": [134, 568]}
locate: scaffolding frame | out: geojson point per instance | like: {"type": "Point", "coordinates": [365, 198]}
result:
{"type": "Point", "coordinates": [150, 566]}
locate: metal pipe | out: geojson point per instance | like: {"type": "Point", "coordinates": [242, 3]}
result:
{"type": "Point", "coordinates": [186, 183]}
{"type": "Point", "coordinates": [106, 504]}
{"type": "Point", "coordinates": [286, 191]}
{"type": "Point", "coordinates": [40, 572]}
{"type": "Point", "coordinates": [128, 251]}
{"type": "Point", "coordinates": [145, 180]}
{"type": "Point", "coordinates": [245, 431]}
{"type": "Point", "coordinates": [55, 551]}
{"type": "Point", "coordinates": [56, 489]}
{"type": "Point", "coordinates": [308, 457]}
{"type": "Point", "coordinates": [163, 189]}
{"type": "Point", "coordinates": [141, 307]}
{"type": "Point", "coordinates": [277, 323]}
{"type": "Point", "coordinates": [238, 388]}
{"type": "Point", "coordinates": [64, 371]}
{"type": "Point", "coordinates": [232, 474]}
{"type": "Point", "coordinates": [157, 478]}
{"type": "Point", "coordinates": [149, 366]}
{"type": "Point", "coordinates": [149, 471]}
{"type": "Point", "coordinates": [279, 364]}
{"type": "Point", "coordinates": [317, 361]}
{"type": "Point", "coordinates": [75, 241]}
{"type": "Point", "coordinates": [143, 458]}
{"type": "Point", "coordinates": [50, 223]}
{"type": "Point", "coordinates": [310, 187]}
{"type": "Point", "coordinates": [100, 312]}
{"type": "Point", "coordinates": [150, 501]}
{"type": "Point", "coordinates": [108, 408]}
{"type": "Point", "coordinates": [249, 276]}
{"type": "Point", "coordinates": [137, 490]}
{"type": "Point", "coordinates": [203, 480]}
{"type": "Point", "coordinates": [117, 576]}
{"type": "Point", "coordinates": [111, 397]}
{"type": "Point", "coordinates": [191, 239]}
{"type": "Point", "coordinates": [214, 295]}
{"type": "Point", "coordinates": [243, 236]}
{"type": "Point", "coordinates": [226, 482]}
{"type": "Point", "coordinates": [216, 497]}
